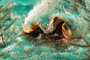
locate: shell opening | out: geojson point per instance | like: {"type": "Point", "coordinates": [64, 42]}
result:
{"type": "Point", "coordinates": [57, 32]}
{"type": "Point", "coordinates": [55, 35]}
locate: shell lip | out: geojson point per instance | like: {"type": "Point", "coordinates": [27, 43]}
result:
{"type": "Point", "coordinates": [67, 33]}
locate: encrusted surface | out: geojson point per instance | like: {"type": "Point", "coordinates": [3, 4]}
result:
{"type": "Point", "coordinates": [72, 11]}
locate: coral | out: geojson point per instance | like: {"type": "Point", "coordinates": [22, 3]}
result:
{"type": "Point", "coordinates": [2, 18]}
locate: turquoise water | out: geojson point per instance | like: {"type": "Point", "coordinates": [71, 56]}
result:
{"type": "Point", "coordinates": [21, 48]}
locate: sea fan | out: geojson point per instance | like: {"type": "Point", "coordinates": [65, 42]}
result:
{"type": "Point", "coordinates": [2, 18]}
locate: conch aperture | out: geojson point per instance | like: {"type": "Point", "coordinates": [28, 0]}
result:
{"type": "Point", "coordinates": [57, 20]}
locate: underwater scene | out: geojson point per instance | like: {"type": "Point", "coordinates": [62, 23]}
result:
{"type": "Point", "coordinates": [44, 29]}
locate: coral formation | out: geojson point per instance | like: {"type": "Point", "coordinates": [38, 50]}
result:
{"type": "Point", "coordinates": [2, 18]}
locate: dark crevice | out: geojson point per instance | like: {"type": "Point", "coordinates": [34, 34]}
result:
{"type": "Point", "coordinates": [56, 35]}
